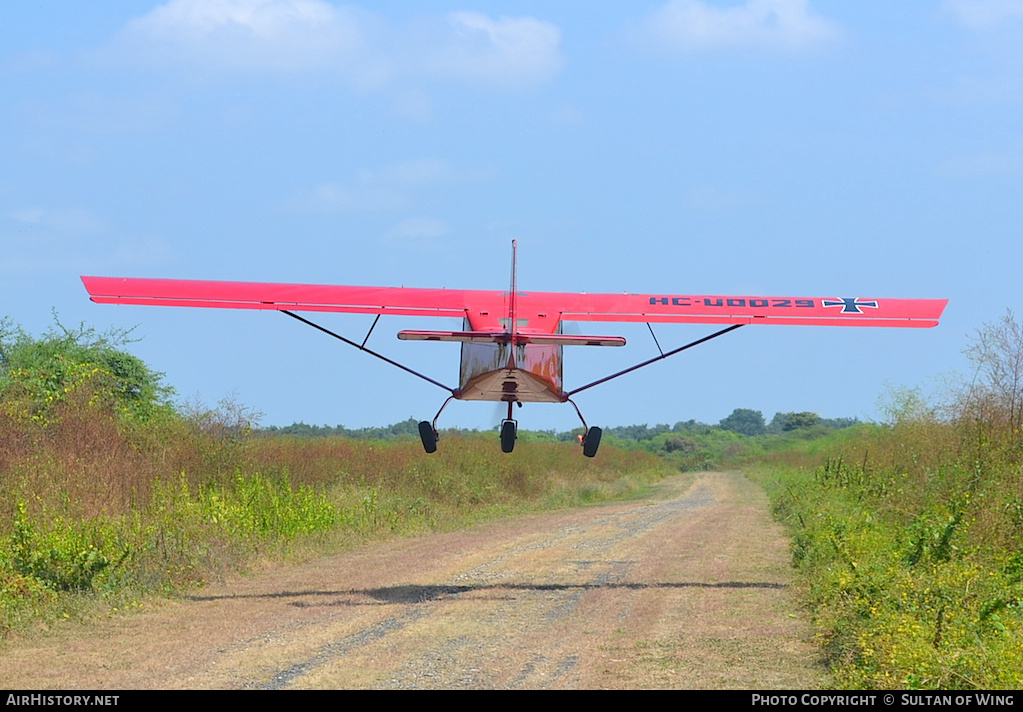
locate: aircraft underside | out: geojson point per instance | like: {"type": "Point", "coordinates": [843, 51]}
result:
{"type": "Point", "coordinates": [510, 373]}
{"type": "Point", "coordinates": [509, 384]}
{"type": "Point", "coordinates": [527, 373]}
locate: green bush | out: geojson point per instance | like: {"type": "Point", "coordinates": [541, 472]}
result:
{"type": "Point", "coordinates": [908, 588]}
{"type": "Point", "coordinates": [36, 374]}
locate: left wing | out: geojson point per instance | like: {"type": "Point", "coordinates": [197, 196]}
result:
{"type": "Point", "coordinates": [485, 309]}
{"type": "Point", "coordinates": [712, 309]}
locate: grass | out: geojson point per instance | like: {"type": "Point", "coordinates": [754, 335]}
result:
{"type": "Point", "coordinates": [107, 510]}
{"type": "Point", "coordinates": [909, 548]}
{"type": "Point", "coordinates": [908, 539]}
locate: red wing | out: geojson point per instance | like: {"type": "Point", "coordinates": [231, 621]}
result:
{"type": "Point", "coordinates": [820, 311]}
{"type": "Point", "coordinates": [490, 305]}
{"type": "Point", "coordinates": [263, 295]}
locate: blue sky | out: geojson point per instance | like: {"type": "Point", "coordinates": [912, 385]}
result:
{"type": "Point", "coordinates": [770, 147]}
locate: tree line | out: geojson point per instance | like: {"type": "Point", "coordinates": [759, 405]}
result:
{"type": "Point", "coordinates": [743, 421]}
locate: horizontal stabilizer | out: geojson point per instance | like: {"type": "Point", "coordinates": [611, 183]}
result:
{"type": "Point", "coordinates": [573, 340]}
{"type": "Point", "coordinates": [471, 337]}
{"type": "Point", "coordinates": [503, 337]}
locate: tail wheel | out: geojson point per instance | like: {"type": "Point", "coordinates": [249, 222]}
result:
{"type": "Point", "coordinates": [428, 435]}
{"type": "Point", "coordinates": [508, 435]}
{"type": "Point", "coordinates": [592, 441]}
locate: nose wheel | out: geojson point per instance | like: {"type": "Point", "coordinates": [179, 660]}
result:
{"type": "Point", "coordinates": [509, 431]}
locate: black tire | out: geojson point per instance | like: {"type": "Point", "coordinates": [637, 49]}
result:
{"type": "Point", "coordinates": [592, 441]}
{"type": "Point", "coordinates": [428, 435]}
{"type": "Point", "coordinates": [508, 435]}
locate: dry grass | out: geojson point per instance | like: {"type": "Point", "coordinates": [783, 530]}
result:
{"type": "Point", "coordinates": [112, 505]}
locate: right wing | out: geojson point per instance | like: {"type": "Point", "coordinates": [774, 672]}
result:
{"type": "Point", "coordinates": [280, 297]}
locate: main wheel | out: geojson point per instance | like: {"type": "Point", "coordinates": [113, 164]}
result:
{"type": "Point", "coordinates": [592, 441]}
{"type": "Point", "coordinates": [428, 435]}
{"type": "Point", "coordinates": [507, 435]}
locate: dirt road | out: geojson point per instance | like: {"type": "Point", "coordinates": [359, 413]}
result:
{"type": "Point", "coordinates": [686, 589]}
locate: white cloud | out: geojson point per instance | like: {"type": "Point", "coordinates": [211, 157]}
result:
{"type": "Point", "coordinates": [997, 26]}
{"type": "Point", "coordinates": [421, 172]}
{"type": "Point", "coordinates": [362, 48]}
{"type": "Point", "coordinates": [508, 50]}
{"type": "Point", "coordinates": [135, 253]}
{"type": "Point", "coordinates": [234, 35]}
{"type": "Point", "coordinates": [985, 14]}
{"type": "Point", "coordinates": [46, 240]}
{"type": "Point", "coordinates": [338, 197]}
{"type": "Point", "coordinates": [68, 220]}
{"type": "Point", "coordinates": [418, 227]}
{"type": "Point", "coordinates": [691, 25]}
{"type": "Point", "coordinates": [388, 188]}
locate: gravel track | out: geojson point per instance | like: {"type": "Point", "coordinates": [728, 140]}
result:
{"type": "Point", "coordinates": [685, 589]}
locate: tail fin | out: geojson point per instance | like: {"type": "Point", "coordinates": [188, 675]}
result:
{"type": "Point", "coordinates": [512, 324]}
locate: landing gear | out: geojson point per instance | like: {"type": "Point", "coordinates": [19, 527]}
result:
{"type": "Point", "coordinates": [591, 441]}
{"type": "Point", "coordinates": [428, 430]}
{"type": "Point", "coordinates": [428, 435]}
{"type": "Point", "coordinates": [509, 430]}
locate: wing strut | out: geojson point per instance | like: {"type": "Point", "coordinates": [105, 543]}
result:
{"type": "Point", "coordinates": [656, 342]}
{"type": "Point", "coordinates": [663, 356]}
{"type": "Point", "coordinates": [369, 351]}
{"type": "Point", "coordinates": [363, 345]}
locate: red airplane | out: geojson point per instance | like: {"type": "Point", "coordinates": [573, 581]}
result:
{"type": "Point", "coordinates": [512, 341]}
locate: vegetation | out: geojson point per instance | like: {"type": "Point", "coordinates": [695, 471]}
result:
{"type": "Point", "coordinates": [37, 375]}
{"type": "Point", "coordinates": [909, 538]}
{"type": "Point", "coordinates": [687, 445]}
{"type": "Point", "coordinates": [745, 422]}
{"type": "Point", "coordinates": [110, 492]}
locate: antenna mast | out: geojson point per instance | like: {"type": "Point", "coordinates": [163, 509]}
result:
{"type": "Point", "coordinates": [512, 328]}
